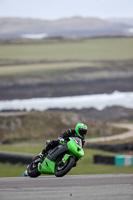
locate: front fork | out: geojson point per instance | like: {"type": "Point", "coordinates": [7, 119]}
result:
{"type": "Point", "coordinates": [65, 158]}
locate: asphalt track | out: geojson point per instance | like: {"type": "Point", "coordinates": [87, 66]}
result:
{"type": "Point", "coordinates": [88, 187]}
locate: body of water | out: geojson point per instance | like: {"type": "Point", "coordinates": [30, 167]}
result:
{"type": "Point", "coordinates": [98, 101]}
{"type": "Point", "coordinates": [34, 36]}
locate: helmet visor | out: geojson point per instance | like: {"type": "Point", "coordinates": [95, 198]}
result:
{"type": "Point", "coordinates": [82, 131]}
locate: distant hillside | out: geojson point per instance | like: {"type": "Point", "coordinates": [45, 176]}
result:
{"type": "Point", "coordinates": [67, 27]}
{"type": "Point", "coordinates": [49, 124]}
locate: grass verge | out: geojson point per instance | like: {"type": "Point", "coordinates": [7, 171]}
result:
{"type": "Point", "coordinates": [90, 49]}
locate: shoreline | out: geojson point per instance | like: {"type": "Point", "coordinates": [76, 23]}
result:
{"type": "Point", "coordinates": [96, 101]}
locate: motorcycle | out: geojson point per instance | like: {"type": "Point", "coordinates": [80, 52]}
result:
{"type": "Point", "coordinates": [59, 161]}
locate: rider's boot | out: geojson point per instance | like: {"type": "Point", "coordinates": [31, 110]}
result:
{"type": "Point", "coordinates": [25, 173]}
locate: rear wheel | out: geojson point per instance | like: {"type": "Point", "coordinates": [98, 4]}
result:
{"type": "Point", "coordinates": [61, 170]}
{"type": "Point", "coordinates": [32, 169]}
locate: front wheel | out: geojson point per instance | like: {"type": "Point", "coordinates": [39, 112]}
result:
{"type": "Point", "coordinates": [32, 169]}
{"type": "Point", "coordinates": [65, 168]}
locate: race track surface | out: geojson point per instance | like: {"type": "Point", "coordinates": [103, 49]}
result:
{"type": "Point", "coordinates": [92, 187]}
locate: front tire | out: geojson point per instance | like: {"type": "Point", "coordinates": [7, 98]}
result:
{"type": "Point", "coordinates": [32, 169]}
{"type": "Point", "coordinates": [61, 171]}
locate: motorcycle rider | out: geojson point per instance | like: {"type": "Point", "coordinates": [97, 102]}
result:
{"type": "Point", "coordinates": [79, 131]}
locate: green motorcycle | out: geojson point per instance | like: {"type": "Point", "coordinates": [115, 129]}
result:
{"type": "Point", "coordinates": [59, 160]}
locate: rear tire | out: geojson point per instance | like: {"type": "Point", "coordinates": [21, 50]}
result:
{"type": "Point", "coordinates": [59, 172]}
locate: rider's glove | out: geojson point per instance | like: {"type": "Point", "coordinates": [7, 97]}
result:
{"type": "Point", "coordinates": [41, 155]}
{"type": "Point", "coordinates": [61, 140]}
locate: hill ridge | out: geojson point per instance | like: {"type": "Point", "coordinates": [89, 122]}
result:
{"type": "Point", "coordinates": [75, 26]}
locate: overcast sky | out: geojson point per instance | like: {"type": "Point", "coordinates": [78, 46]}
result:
{"type": "Point", "coordinates": [55, 9]}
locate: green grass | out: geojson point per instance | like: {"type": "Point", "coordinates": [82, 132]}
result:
{"type": "Point", "coordinates": [9, 170]}
{"type": "Point", "coordinates": [35, 59]}
{"type": "Point", "coordinates": [33, 149]}
{"type": "Point", "coordinates": [40, 68]}
{"type": "Point", "coordinates": [84, 166]}
{"type": "Point", "coordinates": [89, 49]}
